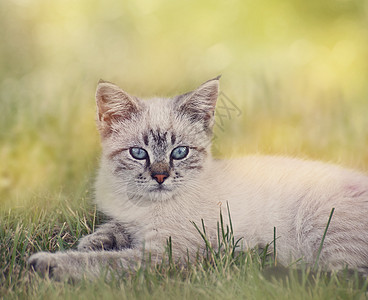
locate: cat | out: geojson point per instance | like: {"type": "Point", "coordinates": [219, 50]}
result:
{"type": "Point", "coordinates": [157, 175]}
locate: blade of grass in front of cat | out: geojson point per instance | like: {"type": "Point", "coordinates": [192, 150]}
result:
{"type": "Point", "coordinates": [323, 239]}
{"type": "Point", "coordinates": [274, 247]}
{"type": "Point", "coordinates": [203, 235]}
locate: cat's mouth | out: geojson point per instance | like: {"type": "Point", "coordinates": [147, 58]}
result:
{"type": "Point", "coordinates": [160, 189]}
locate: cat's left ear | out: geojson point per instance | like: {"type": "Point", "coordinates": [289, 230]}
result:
{"type": "Point", "coordinates": [199, 105]}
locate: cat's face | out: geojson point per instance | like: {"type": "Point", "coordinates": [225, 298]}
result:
{"type": "Point", "coordinates": [156, 148]}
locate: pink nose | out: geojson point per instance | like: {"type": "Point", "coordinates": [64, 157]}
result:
{"type": "Point", "coordinates": [160, 178]}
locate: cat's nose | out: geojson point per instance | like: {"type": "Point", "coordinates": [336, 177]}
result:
{"type": "Point", "coordinates": [160, 177]}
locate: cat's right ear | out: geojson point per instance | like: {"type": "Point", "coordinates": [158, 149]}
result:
{"type": "Point", "coordinates": [114, 106]}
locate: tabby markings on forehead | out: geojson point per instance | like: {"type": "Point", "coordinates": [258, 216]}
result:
{"type": "Point", "coordinates": [145, 139]}
{"type": "Point", "coordinates": [159, 138]}
{"type": "Point", "coordinates": [173, 138]}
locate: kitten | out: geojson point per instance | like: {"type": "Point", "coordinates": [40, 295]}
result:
{"type": "Point", "coordinates": [157, 175]}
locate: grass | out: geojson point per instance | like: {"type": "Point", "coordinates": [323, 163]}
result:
{"type": "Point", "coordinates": [219, 274]}
{"type": "Point", "coordinates": [323, 239]}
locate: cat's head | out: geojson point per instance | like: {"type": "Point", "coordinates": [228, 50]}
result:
{"type": "Point", "coordinates": [156, 148]}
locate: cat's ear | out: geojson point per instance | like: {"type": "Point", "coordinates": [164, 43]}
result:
{"type": "Point", "coordinates": [199, 105]}
{"type": "Point", "coordinates": [114, 105]}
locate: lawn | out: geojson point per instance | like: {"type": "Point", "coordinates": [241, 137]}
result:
{"type": "Point", "coordinates": [219, 275]}
{"type": "Point", "coordinates": [295, 73]}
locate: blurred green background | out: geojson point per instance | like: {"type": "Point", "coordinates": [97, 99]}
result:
{"type": "Point", "coordinates": [297, 69]}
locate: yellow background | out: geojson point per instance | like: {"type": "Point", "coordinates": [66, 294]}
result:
{"type": "Point", "coordinates": [297, 70]}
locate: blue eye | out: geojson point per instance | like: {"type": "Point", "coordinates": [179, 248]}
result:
{"type": "Point", "coordinates": [180, 152]}
{"type": "Point", "coordinates": [138, 153]}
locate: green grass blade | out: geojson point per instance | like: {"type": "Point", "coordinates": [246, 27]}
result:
{"type": "Point", "coordinates": [274, 247]}
{"type": "Point", "coordinates": [323, 239]}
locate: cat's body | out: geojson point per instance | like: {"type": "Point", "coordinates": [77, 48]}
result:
{"type": "Point", "coordinates": [157, 175]}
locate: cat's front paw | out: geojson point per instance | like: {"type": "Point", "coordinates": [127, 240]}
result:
{"type": "Point", "coordinates": [97, 242]}
{"type": "Point", "coordinates": [46, 264]}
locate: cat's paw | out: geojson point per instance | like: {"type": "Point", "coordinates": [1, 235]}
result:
{"type": "Point", "coordinates": [45, 264]}
{"type": "Point", "coordinates": [97, 242]}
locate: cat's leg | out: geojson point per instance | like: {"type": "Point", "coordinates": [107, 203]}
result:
{"type": "Point", "coordinates": [110, 236]}
{"type": "Point", "coordinates": [76, 265]}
